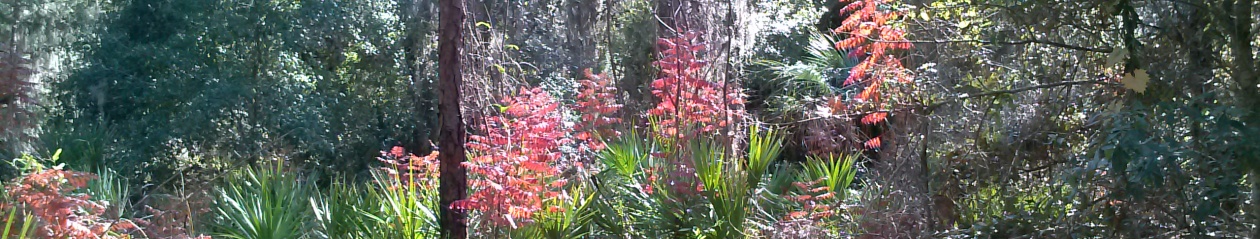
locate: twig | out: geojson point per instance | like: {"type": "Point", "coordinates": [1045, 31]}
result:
{"type": "Point", "coordinates": [931, 107]}
{"type": "Point", "coordinates": [845, 116]}
{"type": "Point", "coordinates": [1020, 42]}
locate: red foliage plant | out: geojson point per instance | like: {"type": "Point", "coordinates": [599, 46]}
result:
{"type": "Point", "coordinates": [409, 168]}
{"type": "Point", "coordinates": [869, 36]}
{"type": "Point", "coordinates": [515, 163]}
{"type": "Point", "coordinates": [46, 195]}
{"type": "Point", "coordinates": [816, 201]}
{"type": "Point", "coordinates": [596, 105]}
{"type": "Point", "coordinates": [685, 96]}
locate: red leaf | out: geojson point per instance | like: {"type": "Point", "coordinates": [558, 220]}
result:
{"type": "Point", "coordinates": [874, 118]}
{"type": "Point", "coordinates": [873, 143]}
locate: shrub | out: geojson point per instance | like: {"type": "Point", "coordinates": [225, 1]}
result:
{"type": "Point", "coordinates": [596, 106]}
{"type": "Point", "coordinates": [686, 98]}
{"type": "Point", "coordinates": [514, 167]}
{"type": "Point", "coordinates": [48, 200]}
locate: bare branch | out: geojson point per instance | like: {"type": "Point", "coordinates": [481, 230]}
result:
{"type": "Point", "coordinates": [931, 107]}
{"type": "Point", "coordinates": [1020, 42]}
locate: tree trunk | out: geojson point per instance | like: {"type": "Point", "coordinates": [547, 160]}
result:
{"type": "Point", "coordinates": [1245, 79]}
{"type": "Point", "coordinates": [580, 37]}
{"type": "Point", "coordinates": [454, 181]}
{"type": "Point", "coordinates": [415, 15]}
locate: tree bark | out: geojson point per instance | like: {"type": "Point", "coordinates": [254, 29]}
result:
{"type": "Point", "coordinates": [1245, 79]}
{"type": "Point", "coordinates": [580, 37]}
{"type": "Point", "coordinates": [454, 181]}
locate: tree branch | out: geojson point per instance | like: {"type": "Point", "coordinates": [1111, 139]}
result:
{"type": "Point", "coordinates": [931, 107]}
{"type": "Point", "coordinates": [1020, 42]}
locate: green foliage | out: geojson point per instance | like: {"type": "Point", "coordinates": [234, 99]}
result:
{"type": "Point", "coordinates": [337, 210]}
{"type": "Point", "coordinates": [264, 203]}
{"type": "Point", "coordinates": [570, 216]}
{"type": "Point", "coordinates": [83, 145]}
{"type": "Point", "coordinates": [401, 210]}
{"type": "Point", "coordinates": [835, 171]}
{"type": "Point", "coordinates": [637, 197]}
{"type": "Point", "coordinates": [11, 227]}
{"type": "Point", "coordinates": [763, 149]}
{"type": "Point", "coordinates": [630, 54]}
{"type": "Point", "coordinates": [786, 91]}
{"type": "Point", "coordinates": [315, 80]}
{"type": "Point", "coordinates": [111, 189]}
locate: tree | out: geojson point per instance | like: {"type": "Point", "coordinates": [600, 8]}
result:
{"type": "Point", "coordinates": [454, 178]}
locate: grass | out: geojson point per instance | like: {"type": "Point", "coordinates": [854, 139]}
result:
{"type": "Point", "coordinates": [10, 222]}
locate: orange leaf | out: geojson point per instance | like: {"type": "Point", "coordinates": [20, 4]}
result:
{"type": "Point", "coordinates": [797, 214]}
{"type": "Point", "coordinates": [873, 143]}
{"type": "Point", "coordinates": [874, 118]}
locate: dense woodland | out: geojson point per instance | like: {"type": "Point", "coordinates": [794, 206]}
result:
{"type": "Point", "coordinates": [629, 119]}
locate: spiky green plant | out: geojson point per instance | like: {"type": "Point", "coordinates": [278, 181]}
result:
{"type": "Point", "coordinates": [763, 149]}
{"type": "Point", "coordinates": [729, 184]}
{"type": "Point", "coordinates": [636, 198]}
{"type": "Point", "coordinates": [10, 222]}
{"type": "Point", "coordinates": [401, 210]}
{"type": "Point", "coordinates": [83, 143]}
{"type": "Point", "coordinates": [569, 216]}
{"type": "Point", "coordinates": [337, 211]}
{"type": "Point", "coordinates": [836, 172]}
{"type": "Point", "coordinates": [111, 188]}
{"type": "Point", "coordinates": [726, 188]}
{"type": "Point", "coordinates": [625, 158]}
{"type": "Point", "coordinates": [633, 199]}
{"type": "Point", "coordinates": [264, 203]}
{"type": "Point", "coordinates": [621, 199]}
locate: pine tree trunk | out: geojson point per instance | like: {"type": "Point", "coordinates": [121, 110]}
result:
{"type": "Point", "coordinates": [454, 181]}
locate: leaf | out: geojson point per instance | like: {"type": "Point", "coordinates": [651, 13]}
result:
{"type": "Point", "coordinates": [874, 118]}
{"type": "Point", "coordinates": [1136, 81]}
{"type": "Point", "coordinates": [873, 143]}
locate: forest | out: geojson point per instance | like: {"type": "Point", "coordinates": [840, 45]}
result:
{"type": "Point", "coordinates": [393, 119]}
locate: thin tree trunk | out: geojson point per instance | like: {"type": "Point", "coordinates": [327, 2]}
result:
{"type": "Point", "coordinates": [1245, 80]}
{"type": "Point", "coordinates": [454, 181]}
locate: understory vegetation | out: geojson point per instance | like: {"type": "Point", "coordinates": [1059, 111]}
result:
{"type": "Point", "coordinates": [278, 119]}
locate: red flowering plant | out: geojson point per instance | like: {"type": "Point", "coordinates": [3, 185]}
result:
{"type": "Point", "coordinates": [514, 167]}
